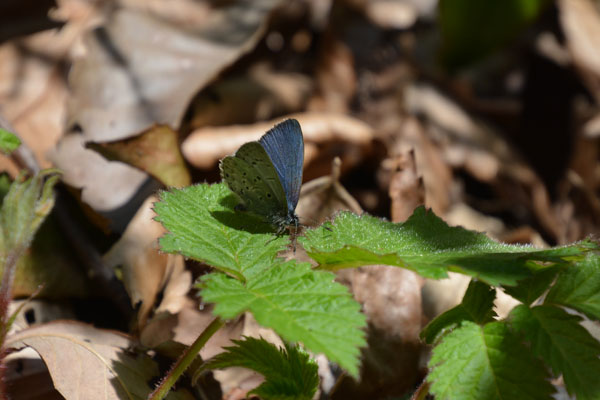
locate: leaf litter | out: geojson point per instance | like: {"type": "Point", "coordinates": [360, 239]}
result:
{"type": "Point", "coordinates": [362, 79]}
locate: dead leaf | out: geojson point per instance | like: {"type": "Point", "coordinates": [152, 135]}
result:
{"type": "Point", "coordinates": [580, 21]}
{"type": "Point", "coordinates": [99, 363]}
{"type": "Point", "coordinates": [430, 165]}
{"type": "Point", "coordinates": [33, 89]}
{"type": "Point", "coordinates": [27, 377]}
{"type": "Point", "coordinates": [155, 151]}
{"type": "Point", "coordinates": [261, 94]}
{"type": "Point", "coordinates": [139, 69]}
{"type": "Point", "coordinates": [105, 185]}
{"type": "Point", "coordinates": [407, 191]}
{"type": "Point", "coordinates": [392, 14]}
{"type": "Point", "coordinates": [146, 271]}
{"type": "Point", "coordinates": [336, 77]}
{"type": "Point", "coordinates": [205, 146]}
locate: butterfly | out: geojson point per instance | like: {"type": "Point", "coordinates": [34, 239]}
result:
{"type": "Point", "coordinates": [266, 175]}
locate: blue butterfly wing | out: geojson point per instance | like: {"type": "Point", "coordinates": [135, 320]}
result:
{"type": "Point", "coordinates": [285, 146]}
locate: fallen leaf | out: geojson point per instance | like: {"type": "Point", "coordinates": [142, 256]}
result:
{"type": "Point", "coordinates": [407, 190]}
{"type": "Point", "coordinates": [100, 365]}
{"type": "Point", "coordinates": [138, 69]}
{"type": "Point", "coordinates": [105, 185]}
{"type": "Point", "coordinates": [580, 21]}
{"type": "Point", "coordinates": [429, 164]}
{"type": "Point", "coordinates": [155, 151]}
{"type": "Point", "coordinates": [260, 94]}
{"type": "Point", "coordinates": [146, 271]}
{"type": "Point", "coordinates": [205, 146]}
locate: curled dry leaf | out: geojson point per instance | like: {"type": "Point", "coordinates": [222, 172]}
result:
{"type": "Point", "coordinates": [146, 271]}
{"type": "Point", "coordinates": [99, 363]}
{"type": "Point", "coordinates": [429, 164]}
{"type": "Point", "coordinates": [392, 14]}
{"type": "Point", "coordinates": [105, 185]}
{"type": "Point", "coordinates": [580, 20]}
{"type": "Point", "coordinates": [407, 191]}
{"type": "Point", "coordinates": [155, 151]}
{"type": "Point", "coordinates": [139, 69]}
{"type": "Point", "coordinates": [33, 90]}
{"type": "Point", "coordinates": [205, 146]}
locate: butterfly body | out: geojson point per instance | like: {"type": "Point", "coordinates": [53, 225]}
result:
{"type": "Point", "coordinates": [266, 175]}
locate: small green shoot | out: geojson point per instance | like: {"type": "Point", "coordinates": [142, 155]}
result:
{"type": "Point", "coordinates": [8, 142]}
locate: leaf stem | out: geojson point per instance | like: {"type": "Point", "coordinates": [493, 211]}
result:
{"type": "Point", "coordinates": [185, 360]}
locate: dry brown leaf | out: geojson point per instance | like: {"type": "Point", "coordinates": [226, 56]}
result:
{"type": "Point", "coordinates": [580, 21]}
{"type": "Point", "coordinates": [33, 84]}
{"type": "Point", "coordinates": [105, 185]}
{"type": "Point", "coordinates": [469, 143]}
{"type": "Point", "coordinates": [33, 89]}
{"type": "Point", "coordinates": [336, 77]}
{"type": "Point", "coordinates": [146, 271]}
{"type": "Point", "coordinates": [430, 165]}
{"type": "Point", "coordinates": [392, 14]}
{"type": "Point", "coordinates": [98, 361]}
{"type": "Point", "coordinates": [139, 69]}
{"type": "Point", "coordinates": [27, 377]}
{"type": "Point", "coordinates": [407, 191]}
{"type": "Point", "coordinates": [391, 300]}
{"type": "Point", "coordinates": [261, 94]}
{"type": "Point", "coordinates": [205, 146]}
{"type": "Point", "coordinates": [155, 151]}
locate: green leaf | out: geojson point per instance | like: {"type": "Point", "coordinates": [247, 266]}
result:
{"type": "Point", "coordinates": [24, 208]}
{"type": "Point", "coordinates": [578, 287]}
{"type": "Point", "coordinates": [300, 304]}
{"type": "Point", "coordinates": [8, 142]}
{"type": "Point", "coordinates": [428, 246]}
{"type": "Point", "coordinates": [203, 225]}
{"type": "Point", "coordinates": [530, 289]}
{"type": "Point", "coordinates": [489, 362]}
{"type": "Point", "coordinates": [289, 373]}
{"type": "Point", "coordinates": [477, 306]}
{"type": "Point", "coordinates": [559, 339]}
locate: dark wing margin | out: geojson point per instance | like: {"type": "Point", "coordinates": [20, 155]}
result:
{"type": "Point", "coordinates": [285, 146]}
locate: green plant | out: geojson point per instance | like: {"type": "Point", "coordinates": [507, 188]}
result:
{"type": "Point", "coordinates": [475, 356]}
{"type": "Point", "coordinates": [25, 205]}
